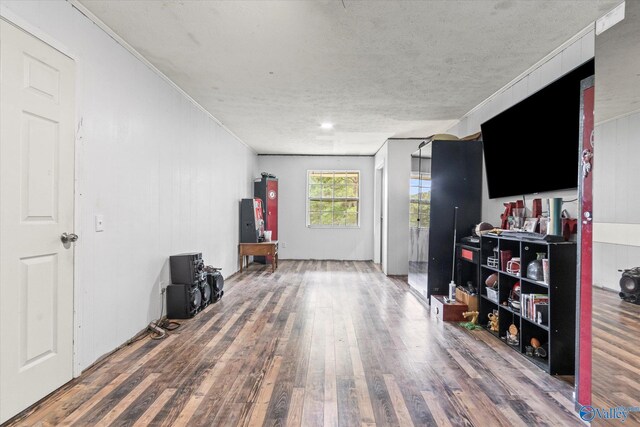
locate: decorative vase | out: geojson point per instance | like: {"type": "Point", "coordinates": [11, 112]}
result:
{"type": "Point", "coordinates": [534, 269]}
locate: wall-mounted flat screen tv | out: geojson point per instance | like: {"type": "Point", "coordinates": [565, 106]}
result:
{"type": "Point", "coordinates": [532, 147]}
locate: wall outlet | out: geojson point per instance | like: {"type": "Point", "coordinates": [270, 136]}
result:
{"type": "Point", "coordinates": [99, 219]}
{"type": "Point", "coordinates": [284, 244]}
{"type": "Point", "coordinates": [163, 288]}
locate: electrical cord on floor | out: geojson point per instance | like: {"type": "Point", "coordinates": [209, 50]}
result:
{"type": "Point", "coordinates": [155, 329]}
{"type": "Point", "coordinates": [156, 333]}
{"type": "Point", "coordinates": [165, 323]}
{"type": "Point", "coordinates": [169, 325]}
{"type": "Point", "coordinates": [140, 337]}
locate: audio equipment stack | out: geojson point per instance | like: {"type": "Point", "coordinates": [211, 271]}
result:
{"type": "Point", "coordinates": [193, 285]}
{"type": "Point", "coordinates": [184, 295]}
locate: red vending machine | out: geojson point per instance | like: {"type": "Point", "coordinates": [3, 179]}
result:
{"type": "Point", "coordinates": [266, 189]}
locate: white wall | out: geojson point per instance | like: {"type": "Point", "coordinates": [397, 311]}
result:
{"type": "Point", "coordinates": [297, 241]}
{"type": "Point", "coordinates": [164, 174]}
{"type": "Point", "coordinates": [568, 56]}
{"type": "Point", "coordinates": [396, 156]}
{"type": "Point", "coordinates": [616, 199]}
{"type": "Point", "coordinates": [616, 194]}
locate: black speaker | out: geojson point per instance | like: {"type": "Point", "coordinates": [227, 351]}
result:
{"type": "Point", "coordinates": [216, 281]}
{"type": "Point", "coordinates": [630, 285]}
{"type": "Point", "coordinates": [187, 268]}
{"type": "Point", "coordinates": [205, 291]}
{"type": "Point", "coordinates": [183, 301]}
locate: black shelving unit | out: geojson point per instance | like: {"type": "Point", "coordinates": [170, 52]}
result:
{"type": "Point", "coordinates": [559, 332]}
{"type": "Point", "coordinates": [468, 266]}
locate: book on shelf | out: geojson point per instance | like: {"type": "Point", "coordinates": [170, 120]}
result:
{"type": "Point", "coordinates": [531, 304]}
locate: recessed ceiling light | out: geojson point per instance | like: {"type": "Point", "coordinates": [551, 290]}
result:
{"type": "Point", "coordinates": [326, 125]}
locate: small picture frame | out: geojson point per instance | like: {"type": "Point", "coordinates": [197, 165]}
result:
{"type": "Point", "coordinates": [544, 226]}
{"type": "Point", "coordinates": [530, 224]}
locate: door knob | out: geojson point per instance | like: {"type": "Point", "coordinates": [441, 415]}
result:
{"type": "Point", "coordinates": [68, 237]}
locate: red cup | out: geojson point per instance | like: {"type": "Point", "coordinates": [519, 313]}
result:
{"type": "Point", "coordinates": [505, 256]}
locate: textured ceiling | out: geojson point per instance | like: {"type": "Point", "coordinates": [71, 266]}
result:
{"type": "Point", "coordinates": [273, 71]}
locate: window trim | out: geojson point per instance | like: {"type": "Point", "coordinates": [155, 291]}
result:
{"type": "Point", "coordinates": [307, 196]}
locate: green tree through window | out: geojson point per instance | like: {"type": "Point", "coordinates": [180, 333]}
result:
{"type": "Point", "coordinates": [333, 198]}
{"type": "Point", "coordinates": [419, 200]}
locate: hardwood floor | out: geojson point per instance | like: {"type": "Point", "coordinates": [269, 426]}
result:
{"type": "Point", "coordinates": [315, 343]}
{"type": "Point", "coordinates": [616, 355]}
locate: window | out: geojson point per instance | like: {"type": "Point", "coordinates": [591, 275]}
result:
{"type": "Point", "coordinates": [333, 198]}
{"type": "Point", "coordinates": [419, 199]}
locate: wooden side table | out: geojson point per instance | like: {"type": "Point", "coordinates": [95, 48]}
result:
{"type": "Point", "coordinates": [245, 250]}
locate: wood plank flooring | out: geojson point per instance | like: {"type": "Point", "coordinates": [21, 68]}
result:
{"type": "Point", "coordinates": [616, 355]}
{"type": "Point", "coordinates": [317, 343]}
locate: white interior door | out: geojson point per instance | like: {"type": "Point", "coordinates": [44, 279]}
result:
{"type": "Point", "coordinates": [36, 207]}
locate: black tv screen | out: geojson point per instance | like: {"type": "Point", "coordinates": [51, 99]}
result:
{"type": "Point", "coordinates": [532, 147]}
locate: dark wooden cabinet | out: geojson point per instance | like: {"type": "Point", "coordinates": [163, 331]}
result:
{"type": "Point", "coordinates": [557, 331]}
{"type": "Point", "coordinates": [456, 181]}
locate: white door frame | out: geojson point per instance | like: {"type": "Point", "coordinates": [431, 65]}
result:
{"type": "Point", "coordinates": [380, 211]}
{"type": "Point", "coordinates": [15, 20]}
{"type": "Point", "coordinates": [377, 230]}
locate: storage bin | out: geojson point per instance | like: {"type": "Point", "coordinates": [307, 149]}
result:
{"type": "Point", "coordinates": [492, 294]}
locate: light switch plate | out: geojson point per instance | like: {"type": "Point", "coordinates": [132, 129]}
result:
{"type": "Point", "coordinates": [99, 223]}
